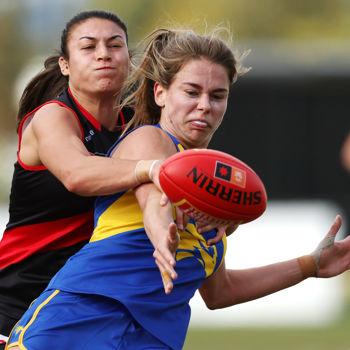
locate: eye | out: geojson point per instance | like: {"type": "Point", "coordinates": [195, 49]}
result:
{"type": "Point", "coordinates": [191, 93]}
{"type": "Point", "coordinates": [88, 47]}
{"type": "Point", "coordinates": [116, 44]}
{"type": "Point", "coordinates": [218, 97]}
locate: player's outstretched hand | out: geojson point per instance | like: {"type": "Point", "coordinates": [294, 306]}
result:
{"type": "Point", "coordinates": [221, 229]}
{"type": "Point", "coordinates": [164, 255]}
{"type": "Point", "coordinates": [332, 258]}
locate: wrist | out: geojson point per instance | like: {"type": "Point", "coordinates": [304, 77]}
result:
{"type": "Point", "coordinates": [308, 267]}
{"type": "Point", "coordinates": [143, 170]}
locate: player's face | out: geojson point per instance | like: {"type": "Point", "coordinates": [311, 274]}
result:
{"type": "Point", "coordinates": [195, 103]}
{"type": "Point", "coordinates": [98, 57]}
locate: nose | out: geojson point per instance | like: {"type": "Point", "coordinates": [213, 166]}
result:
{"type": "Point", "coordinates": [102, 53]}
{"type": "Point", "coordinates": [204, 102]}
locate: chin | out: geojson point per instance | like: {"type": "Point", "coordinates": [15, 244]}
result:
{"type": "Point", "coordinates": [109, 85]}
{"type": "Point", "coordinates": [107, 89]}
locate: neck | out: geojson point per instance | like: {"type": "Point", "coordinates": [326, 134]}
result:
{"type": "Point", "coordinates": [101, 107]}
{"type": "Point", "coordinates": [186, 141]}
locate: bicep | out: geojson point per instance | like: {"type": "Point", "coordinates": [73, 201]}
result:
{"type": "Point", "coordinates": [58, 139]}
{"type": "Point", "coordinates": [211, 288]}
{"type": "Point", "coordinates": [147, 142]}
{"type": "Point", "coordinates": [221, 289]}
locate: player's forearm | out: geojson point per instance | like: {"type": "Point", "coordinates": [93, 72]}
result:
{"type": "Point", "coordinates": [100, 176]}
{"type": "Point", "coordinates": [261, 281]}
{"type": "Point", "coordinates": [156, 218]}
{"type": "Point", "coordinates": [249, 284]}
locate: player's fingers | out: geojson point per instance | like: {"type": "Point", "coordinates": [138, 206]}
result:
{"type": "Point", "coordinates": [165, 251]}
{"type": "Point", "coordinates": [327, 242]}
{"type": "Point", "coordinates": [167, 282]}
{"type": "Point", "coordinates": [205, 226]}
{"type": "Point", "coordinates": [164, 200]}
{"type": "Point", "coordinates": [336, 226]}
{"type": "Point", "coordinates": [228, 229]}
{"type": "Point", "coordinates": [219, 234]}
{"type": "Point", "coordinates": [174, 236]}
{"type": "Point", "coordinates": [180, 218]}
{"type": "Point", "coordinates": [166, 264]}
{"type": "Point", "coordinates": [165, 256]}
{"type": "Point", "coordinates": [165, 259]}
{"type": "Point", "coordinates": [166, 279]}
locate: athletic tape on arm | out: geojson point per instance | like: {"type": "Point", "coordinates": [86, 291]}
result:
{"type": "Point", "coordinates": [309, 264]}
{"type": "Point", "coordinates": [143, 170]}
{"type": "Point", "coordinates": [327, 242]}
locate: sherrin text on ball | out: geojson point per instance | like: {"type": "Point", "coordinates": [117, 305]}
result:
{"type": "Point", "coordinates": [213, 186]}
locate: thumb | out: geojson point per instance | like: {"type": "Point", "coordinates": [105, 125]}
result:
{"type": "Point", "coordinates": [336, 226]}
{"type": "Point", "coordinates": [173, 234]}
{"type": "Point", "coordinates": [164, 200]}
{"type": "Point", "coordinates": [328, 241]}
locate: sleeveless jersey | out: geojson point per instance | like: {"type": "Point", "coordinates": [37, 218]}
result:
{"type": "Point", "coordinates": [47, 223]}
{"type": "Point", "coordinates": [118, 263]}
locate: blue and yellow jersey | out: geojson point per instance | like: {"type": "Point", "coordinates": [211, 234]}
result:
{"type": "Point", "coordinates": [118, 263]}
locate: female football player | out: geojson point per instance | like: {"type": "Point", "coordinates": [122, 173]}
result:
{"type": "Point", "coordinates": [67, 120]}
{"type": "Point", "coordinates": [110, 295]}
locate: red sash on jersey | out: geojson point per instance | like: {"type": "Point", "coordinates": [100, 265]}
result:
{"type": "Point", "coordinates": [20, 242]}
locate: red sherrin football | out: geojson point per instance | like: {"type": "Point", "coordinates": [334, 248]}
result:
{"type": "Point", "coordinates": [213, 186]}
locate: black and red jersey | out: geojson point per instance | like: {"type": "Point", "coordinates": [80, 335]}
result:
{"type": "Point", "coordinates": [47, 223]}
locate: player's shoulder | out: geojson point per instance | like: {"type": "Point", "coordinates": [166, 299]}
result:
{"type": "Point", "coordinates": [53, 108]}
{"type": "Point", "coordinates": [145, 130]}
{"type": "Point", "coordinates": [149, 134]}
{"type": "Point", "coordinates": [50, 112]}
{"type": "Point", "coordinates": [148, 140]}
{"type": "Point", "coordinates": [52, 116]}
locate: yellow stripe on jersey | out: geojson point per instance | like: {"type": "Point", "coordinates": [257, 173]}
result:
{"type": "Point", "coordinates": [192, 244]}
{"type": "Point", "coordinates": [122, 215]}
{"type": "Point", "coordinates": [125, 215]}
{"type": "Point", "coordinates": [180, 147]}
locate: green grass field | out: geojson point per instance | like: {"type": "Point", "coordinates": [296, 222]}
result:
{"type": "Point", "coordinates": [336, 337]}
{"type": "Point", "coordinates": [333, 337]}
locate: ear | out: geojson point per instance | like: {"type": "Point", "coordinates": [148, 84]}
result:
{"type": "Point", "coordinates": [130, 61]}
{"type": "Point", "coordinates": [64, 66]}
{"type": "Point", "coordinates": [159, 94]}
